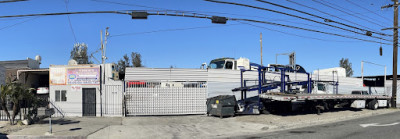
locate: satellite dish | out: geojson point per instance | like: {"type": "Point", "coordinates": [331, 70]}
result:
{"type": "Point", "coordinates": [72, 62]}
{"type": "Point", "coordinates": [38, 58]}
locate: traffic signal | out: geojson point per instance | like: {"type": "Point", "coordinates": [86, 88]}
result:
{"type": "Point", "coordinates": [368, 33]}
{"type": "Point", "coordinates": [380, 51]}
{"type": "Point", "coordinates": [139, 15]}
{"type": "Point", "coordinates": [218, 20]}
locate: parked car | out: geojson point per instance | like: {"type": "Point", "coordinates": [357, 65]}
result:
{"type": "Point", "coordinates": [359, 92]}
{"type": "Point", "coordinates": [42, 90]}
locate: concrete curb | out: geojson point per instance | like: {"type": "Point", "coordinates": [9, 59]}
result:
{"type": "Point", "coordinates": [40, 137]}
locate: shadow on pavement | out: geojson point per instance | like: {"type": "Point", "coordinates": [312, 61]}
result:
{"type": "Point", "coordinates": [59, 121]}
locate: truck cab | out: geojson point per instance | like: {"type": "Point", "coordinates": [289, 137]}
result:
{"type": "Point", "coordinates": [229, 63]}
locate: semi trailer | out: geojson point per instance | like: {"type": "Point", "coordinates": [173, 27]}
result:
{"type": "Point", "coordinates": [280, 95]}
{"type": "Point", "coordinates": [285, 94]}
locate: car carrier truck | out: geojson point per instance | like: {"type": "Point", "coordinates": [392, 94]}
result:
{"type": "Point", "coordinates": [285, 94]}
{"type": "Point", "coordinates": [275, 95]}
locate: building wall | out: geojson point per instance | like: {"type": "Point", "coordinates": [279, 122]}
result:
{"type": "Point", "coordinates": [2, 75]}
{"type": "Point", "coordinates": [73, 105]}
{"type": "Point", "coordinates": [21, 64]}
{"type": "Point", "coordinates": [109, 99]}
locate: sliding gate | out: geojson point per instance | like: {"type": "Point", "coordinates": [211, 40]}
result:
{"type": "Point", "coordinates": [165, 91]}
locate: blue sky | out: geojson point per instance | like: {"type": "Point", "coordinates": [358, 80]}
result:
{"type": "Point", "coordinates": [52, 38]}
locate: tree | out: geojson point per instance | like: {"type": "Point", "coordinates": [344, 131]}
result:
{"type": "Point", "coordinates": [4, 91]}
{"type": "Point", "coordinates": [79, 53]}
{"type": "Point", "coordinates": [344, 63]}
{"type": "Point", "coordinates": [15, 93]}
{"type": "Point", "coordinates": [136, 59]}
{"type": "Point", "coordinates": [123, 63]}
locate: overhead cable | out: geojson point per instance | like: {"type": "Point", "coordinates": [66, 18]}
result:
{"type": "Point", "coordinates": [260, 8]}
{"type": "Point", "coordinates": [327, 4]}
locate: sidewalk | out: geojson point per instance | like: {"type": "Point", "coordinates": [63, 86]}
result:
{"type": "Point", "coordinates": [77, 127]}
{"type": "Point", "coordinates": [189, 126]}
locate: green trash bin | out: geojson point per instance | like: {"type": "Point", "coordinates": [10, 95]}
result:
{"type": "Point", "coordinates": [222, 106]}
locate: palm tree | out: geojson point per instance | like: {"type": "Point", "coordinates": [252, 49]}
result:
{"type": "Point", "coordinates": [15, 93]}
{"type": "Point", "coordinates": [4, 91]}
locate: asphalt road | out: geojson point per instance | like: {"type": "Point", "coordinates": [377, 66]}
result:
{"type": "Point", "coordinates": [374, 127]}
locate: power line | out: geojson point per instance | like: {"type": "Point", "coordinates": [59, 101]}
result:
{"type": "Point", "coordinates": [8, 1]}
{"type": "Point", "coordinates": [69, 21]}
{"type": "Point", "coordinates": [368, 10]}
{"type": "Point", "coordinates": [195, 16]}
{"type": "Point", "coordinates": [157, 8]}
{"type": "Point", "coordinates": [311, 30]}
{"type": "Point", "coordinates": [260, 8]}
{"type": "Point", "coordinates": [333, 15]}
{"type": "Point", "coordinates": [313, 15]}
{"type": "Point", "coordinates": [9, 26]}
{"type": "Point", "coordinates": [270, 23]}
{"type": "Point", "coordinates": [288, 33]}
{"type": "Point", "coordinates": [168, 30]}
{"type": "Point", "coordinates": [222, 13]}
{"type": "Point", "coordinates": [329, 5]}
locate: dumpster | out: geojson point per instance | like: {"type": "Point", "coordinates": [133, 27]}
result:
{"type": "Point", "coordinates": [222, 106]}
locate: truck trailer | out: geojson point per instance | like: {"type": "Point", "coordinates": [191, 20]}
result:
{"type": "Point", "coordinates": [302, 94]}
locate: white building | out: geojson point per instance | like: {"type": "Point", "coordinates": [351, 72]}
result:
{"type": "Point", "coordinates": [85, 90]}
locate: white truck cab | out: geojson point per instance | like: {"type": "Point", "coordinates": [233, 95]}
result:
{"type": "Point", "coordinates": [229, 63]}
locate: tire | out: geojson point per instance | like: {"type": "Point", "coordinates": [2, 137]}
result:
{"type": "Point", "coordinates": [389, 104]}
{"type": "Point", "coordinates": [373, 104]}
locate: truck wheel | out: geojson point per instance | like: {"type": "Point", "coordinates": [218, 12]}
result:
{"type": "Point", "coordinates": [389, 104]}
{"type": "Point", "coordinates": [373, 104]}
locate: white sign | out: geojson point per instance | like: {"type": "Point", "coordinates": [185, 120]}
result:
{"type": "Point", "coordinates": [85, 76]}
{"type": "Point", "coordinates": [57, 76]}
{"type": "Point", "coordinates": [76, 88]}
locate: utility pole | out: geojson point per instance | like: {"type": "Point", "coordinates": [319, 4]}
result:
{"type": "Point", "coordinates": [261, 48]}
{"type": "Point", "coordinates": [395, 42]}
{"type": "Point", "coordinates": [102, 66]}
{"type": "Point", "coordinates": [103, 45]}
{"type": "Point", "coordinates": [395, 50]}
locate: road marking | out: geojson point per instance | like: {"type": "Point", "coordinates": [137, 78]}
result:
{"type": "Point", "coordinates": [377, 124]}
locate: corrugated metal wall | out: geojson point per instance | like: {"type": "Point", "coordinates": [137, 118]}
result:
{"type": "Point", "coordinates": [150, 74]}
{"type": "Point", "coordinates": [221, 82]}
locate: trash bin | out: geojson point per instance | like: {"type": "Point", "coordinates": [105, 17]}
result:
{"type": "Point", "coordinates": [223, 105]}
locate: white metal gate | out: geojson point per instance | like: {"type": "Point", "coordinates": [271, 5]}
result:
{"type": "Point", "coordinates": [165, 98]}
{"type": "Point", "coordinates": [112, 100]}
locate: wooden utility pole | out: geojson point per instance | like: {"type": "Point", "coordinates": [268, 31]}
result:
{"type": "Point", "coordinates": [103, 46]}
{"type": "Point", "coordinates": [395, 50]}
{"type": "Point", "coordinates": [261, 48]}
{"type": "Point", "coordinates": [395, 42]}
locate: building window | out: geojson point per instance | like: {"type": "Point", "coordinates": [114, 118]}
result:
{"type": "Point", "coordinates": [57, 95]}
{"type": "Point", "coordinates": [61, 95]}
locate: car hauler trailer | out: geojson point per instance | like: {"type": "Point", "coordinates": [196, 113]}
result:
{"type": "Point", "coordinates": [280, 96]}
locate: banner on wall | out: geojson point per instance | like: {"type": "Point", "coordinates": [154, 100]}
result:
{"type": "Point", "coordinates": [83, 76]}
{"type": "Point", "coordinates": [57, 76]}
